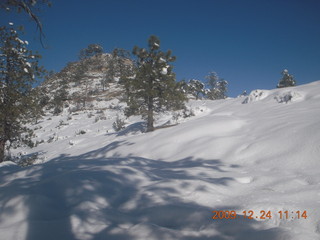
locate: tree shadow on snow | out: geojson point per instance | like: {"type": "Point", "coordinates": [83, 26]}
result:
{"type": "Point", "coordinates": [135, 128]}
{"type": "Point", "coordinates": [93, 197]}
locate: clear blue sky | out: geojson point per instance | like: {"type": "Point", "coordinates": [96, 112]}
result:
{"type": "Point", "coordinates": [247, 42]}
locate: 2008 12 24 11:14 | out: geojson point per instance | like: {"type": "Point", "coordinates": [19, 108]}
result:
{"type": "Point", "coordinates": [250, 214]}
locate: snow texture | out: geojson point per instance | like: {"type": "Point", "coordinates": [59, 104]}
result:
{"type": "Point", "coordinates": [93, 183]}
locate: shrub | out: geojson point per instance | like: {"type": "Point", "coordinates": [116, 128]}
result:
{"type": "Point", "coordinates": [81, 132]}
{"type": "Point", "coordinates": [119, 124]}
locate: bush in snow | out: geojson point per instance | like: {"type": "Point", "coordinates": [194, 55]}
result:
{"type": "Point", "coordinates": [287, 80]}
{"type": "Point", "coordinates": [119, 124]}
{"type": "Point", "coordinates": [61, 123]}
{"type": "Point", "coordinates": [76, 108]}
{"type": "Point", "coordinates": [101, 116]}
{"type": "Point", "coordinates": [188, 112]}
{"type": "Point", "coordinates": [57, 110]}
{"type": "Point", "coordinates": [39, 142]}
{"type": "Point", "coordinates": [185, 113]}
{"type": "Point", "coordinates": [81, 132]}
{"type": "Point", "coordinates": [51, 138]}
{"type": "Point", "coordinates": [25, 161]}
{"type": "Point", "coordinates": [90, 115]}
{"type": "Point", "coordinates": [287, 97]}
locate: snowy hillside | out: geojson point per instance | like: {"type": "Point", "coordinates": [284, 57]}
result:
{"type": "Point", "coordinates": [256, 155]}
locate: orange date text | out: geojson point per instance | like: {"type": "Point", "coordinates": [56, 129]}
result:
{"type": "Point", "coordinates": [262, 214]}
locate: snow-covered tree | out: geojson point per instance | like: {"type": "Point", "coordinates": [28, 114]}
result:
{"type": "Point", "coordinates": [18, 71]}
{"type": "Point", "coordinates": [153, 88]}
{"type": "Point", "coordinates": [217, 87]}
{"type": "Point", "coordinates": [287, 80]}
{"type": "Point", "coordinates": [195, 88]}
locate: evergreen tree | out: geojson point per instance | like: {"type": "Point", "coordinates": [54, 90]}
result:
{"type": "Point", "coordinates": [153, 87]}
{"type": "Point", "coordinates": [212, 79]}
{"type": "Point", "coordinates": [119, 67]}
{"type": "Point", "coordinates": [18, 71]}
{"type": "Point", "coordinates": [109, 74]}
{"type": "Point", "coordinates": [287, 80]}
{"type": "Point", "coordinates": [40, 100]}
{"type": "Point", "coordinates": [217, 88]}
{"type": "Point", "coordinates": [122, 64]}
{"type": "Point", "coordinates": [88, 58]}
{"type": "Point", "coordinates": [195, 88]}
{"type": "Point", "coordinates": [221, 92]}
{"type": "Point", "coordinates": [61, 95]}
{"type": "Point", "coordinates": [90, 51]}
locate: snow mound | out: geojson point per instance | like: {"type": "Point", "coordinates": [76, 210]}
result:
{"type": "Point", "coordinates": [290, 96]}
{"type": "Point", "coordinates": [256, 95]}
{"type": "Point", "coordinates": [280, 96]}
{"type": "Point", "coordinates": [8, 164]}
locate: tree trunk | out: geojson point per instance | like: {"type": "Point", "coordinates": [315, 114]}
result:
{"type": "Point", "coordinates": [85, 95]}
{"type": "Point", "coordinates": [150, 126]}
{"type": "Point", "coordinates": [2, 147]}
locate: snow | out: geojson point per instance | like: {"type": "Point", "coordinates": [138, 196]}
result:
{"type": "Point", "coordinates": [162, 60]}
{"type": "Point", "coordinates": [164, 71]}
{"type": "Point", "coordinates": [20, 41]}
{"type": "Point", "coordinates": [258, 154]}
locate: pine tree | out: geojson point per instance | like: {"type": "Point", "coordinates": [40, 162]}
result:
{"type": "Point", "coordinates": [221, 87]}
{"type": "Point", "coordinates": [90, 51]}
{"type": "Point", "coordinates": [61, 95]}
{"type": "Point", "coordinates": [195, 88]}
{"type": "Point", "coordinates": [119, 67]}
{"type": "Point", "coordinates": [153, 87]}
{"type": "Point", "coordinates": [122, 64]}
{"type": "Point", "coordinates": [217, 87]}
{"type": "Point", "coordinates": [287, 80]}
{"type": "Point", "coordinates": [40, 100]}
{"type": "Point", "coordinates": [18, 71]}
{"type": "Point", "coordinates": [88, 57]}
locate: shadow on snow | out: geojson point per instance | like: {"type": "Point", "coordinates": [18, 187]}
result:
{"type": "Point", "coordinates": [93, 197]}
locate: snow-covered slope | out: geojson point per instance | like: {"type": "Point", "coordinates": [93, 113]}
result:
{"type": "Point", "coordinates": [258, 153]}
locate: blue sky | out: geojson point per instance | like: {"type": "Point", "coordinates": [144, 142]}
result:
{"type": "Point", "coordinates": [247, 42]}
